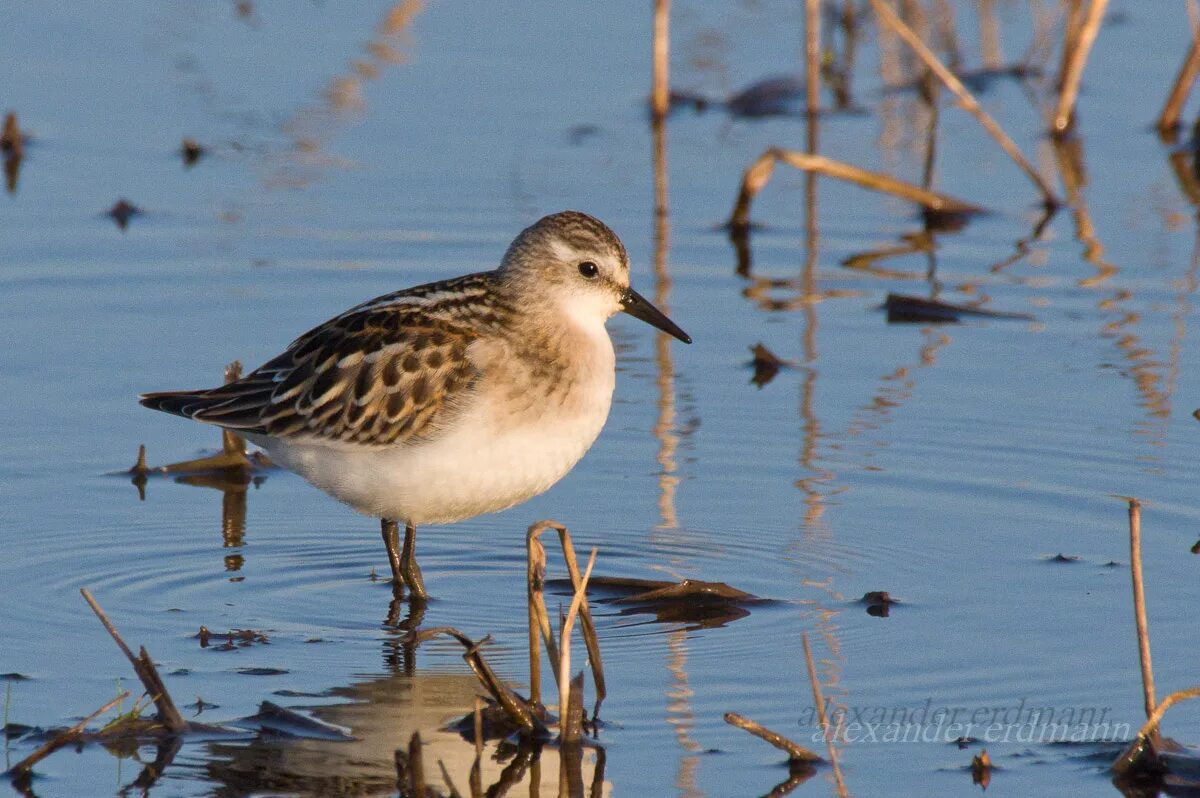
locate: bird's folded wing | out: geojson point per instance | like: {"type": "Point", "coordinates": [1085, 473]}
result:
{"type": "Point", "coordinates": [376, 377]}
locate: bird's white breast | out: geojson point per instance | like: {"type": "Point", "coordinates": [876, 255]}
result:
{"type": "Point", "coordinates": [511, 442]}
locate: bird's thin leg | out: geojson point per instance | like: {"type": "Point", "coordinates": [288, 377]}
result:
{"type": "Point", "coordinates": [408, 564]}
{"type": "Point", "coordinates": [391, 539]}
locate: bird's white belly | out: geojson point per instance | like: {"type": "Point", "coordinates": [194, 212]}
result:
{"type": "Point", "coordinates": [477, 467]}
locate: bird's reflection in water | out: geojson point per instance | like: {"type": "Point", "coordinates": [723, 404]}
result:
{"type": "Point", "coordinates": [381, 714]}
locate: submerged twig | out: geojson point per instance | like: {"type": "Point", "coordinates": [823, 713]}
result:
{"type": "Point", "coordinates": [759, 172]}
{"type": "Point", "coordinates": [168, 714]}
{"type": "Point", "coordinates": [21, 770]}
{"type": "Point", "coordinates": [965, 98]}
{"type": "Point", "coordinates": [795, 751]}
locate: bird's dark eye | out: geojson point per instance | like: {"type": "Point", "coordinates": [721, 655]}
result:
{"type": "Point", "coordinates": [589, 269]}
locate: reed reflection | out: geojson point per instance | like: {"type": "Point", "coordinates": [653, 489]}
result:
{"type": "Point", "coordinates": [343, 102]}
{"type": "Point", "coordinates": [381, 714]}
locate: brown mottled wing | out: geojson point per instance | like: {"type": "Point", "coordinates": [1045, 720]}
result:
{"type": "Point", "coordinates": [390, 370]}
{"type": "Point", "coordinates": [373, 377]}
{"type": "Point", "coordinates": [382, 375]}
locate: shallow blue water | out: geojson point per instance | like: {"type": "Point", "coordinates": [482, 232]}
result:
{"type": "Point", "coordinates": [946, 465]}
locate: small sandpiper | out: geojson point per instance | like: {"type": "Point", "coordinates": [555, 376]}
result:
{"type": "Point", "coordinates": [452, 399]}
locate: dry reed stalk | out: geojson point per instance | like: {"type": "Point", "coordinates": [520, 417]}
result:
{"type": "Point", "coordinates": [1082, 36]}
{"type": "Point", "coordinates": [661, 90]}
{"type": "Point", "coordinates": [1168, 120]}
{"type": "Point", "coordinates": [21, 770]}
{"type": "Point", "coordinates": [564, 656]}
{"type": "Point", "coordinates": [819, 702]}
{"type": "Point", "coordinates": [233, 444]}
{"type": "Point", "coordinates": [536, 575]}
{"type": "Point", "coordinates": [1071, 24]}
{"type": "Point", "coordinates": [416, 766]}
{"type": "Point", "coordinates": [539, 621]}
{"type": "Point", "coordinates": [1139, 605]}
{"type": "Point", "coordinates": [812, 54]}
{"type": "Point", "coordinates": [965, 98]}
{"type": "Point", "coordinates": [795, 751]}
{"type": "Point", "coordinates": [477, 765]}
{"type": "Point", "coordinates": [759, 173]}
{"type": "Point", "coordinates": [143, 666]}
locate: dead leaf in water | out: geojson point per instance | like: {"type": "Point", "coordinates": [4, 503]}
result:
{"type": "Point", "coordinates": [121, 212]}
{"type": "Point", "coordinates": [981, 769]}
{"type": "Point", "coordinates": [879, 603]}
{"type": "Point", "coordinates": [766, 365]}
{"type": "Point", "coordinates": [191, 151]}
{"type": "Point", "coordinates": [903, 309]}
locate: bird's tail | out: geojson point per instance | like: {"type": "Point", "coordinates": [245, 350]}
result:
{"type": "Point", "coordinates": [236, 406]}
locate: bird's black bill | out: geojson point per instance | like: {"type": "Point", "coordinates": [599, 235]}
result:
{"type": "Point", "coordinates": [636, 305]}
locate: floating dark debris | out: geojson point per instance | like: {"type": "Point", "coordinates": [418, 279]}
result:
{"type": "Point", "coordinates": [780, 95]}
{"type": "Point", "coordinates": [12, 145]}
{"type": "Point", "coordinates": [878, 602]}
{"type": "Point", "coordinates": [261, 671]}
{"type": "Point", "coordinates": [234, 638]}
{"type": "Point", "coordinates": [191, 151]}
{"type": "Point", "coordinates": [916, 310]}
{"type": "Point", "coordinates": [703, 605]}
{"type": "Point", "coordinates": [122, 211]}
{"type": "Point", "coordinates": [13, 676]}
{"type": "Point", "coordinates": [766, 364]}
{"type": "Point", "coordinates": [281, 720]}
{"type": "Point", "coordinates": [1061, 558]}
{"type": "Point", "coordinates": [1196, 547]}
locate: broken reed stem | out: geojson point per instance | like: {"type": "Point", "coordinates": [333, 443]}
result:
{"type": "Point", "coordinates": [65, 737]}
{"type": "Point", "coordinates": [231, 442]}
{"type": "Point", "coordinates": [819, 702]}
{"type": "Point", "coordinates": [1150, 729]}
{"type": "Point", "coordinates": [795, 751]}
{"type": "Point", "coordinates": [1081, 39]}
{"type": "Point", "coordinates": [571, 723]}
{"type": "Point", "coordinates": [1168, 120]}
{"type": "Point", "coordinates": [520, 712]}
{"type": "Point", "coordinates": [759, 172]}
{"type": "Point", "coordinates": [564, 649]}
{"type": "Point", "coordinates": [660, 97]}
{"type": "Point", "coordinates": [965, 98]}
{"type": "Point", "coordinates": [537, 573]}
{"type": "Point", "coordinates": [143, 666]}
{"type": "Point", "coordinates": [812, 54]}
{"type": "Point", "coordinates": [416, 767]}
{"type": "Point", "coordinates": [1139, 604]}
